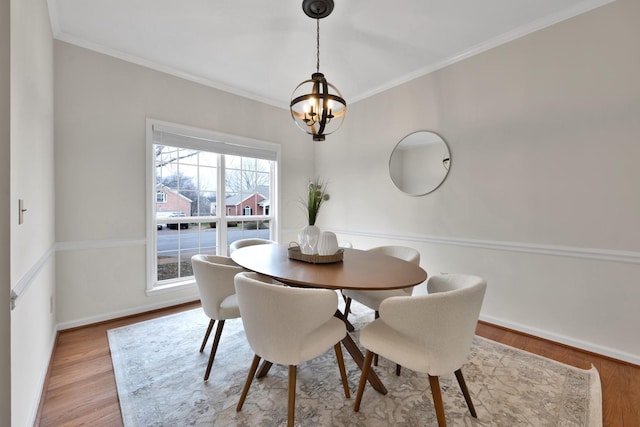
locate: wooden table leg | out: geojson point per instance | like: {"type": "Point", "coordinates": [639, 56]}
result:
{"type": "Point", "coordinates": [349, 325]}
{"type": "Point", "coordinates": [358, 357]}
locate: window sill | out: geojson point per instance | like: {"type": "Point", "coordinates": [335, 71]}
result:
{"type": "Point", "coordinates": [172, 287]}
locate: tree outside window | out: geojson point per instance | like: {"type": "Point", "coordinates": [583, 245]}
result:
{"type": "Point", "coordinates": [205, 198]}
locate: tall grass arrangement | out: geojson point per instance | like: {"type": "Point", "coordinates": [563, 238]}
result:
{"type": "Point", "coordinates": [316, 196]}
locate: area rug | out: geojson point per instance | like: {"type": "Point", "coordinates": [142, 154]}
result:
{"type": "Point", "coordinates": [159, 373]}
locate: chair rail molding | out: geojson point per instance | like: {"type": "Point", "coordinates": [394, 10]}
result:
{"type": "Point", "coordinates": [627, 257]}
{"type": "Point", "coordinates": [99, 244]}
{"type": "Point", "coordinates": [23, 284]}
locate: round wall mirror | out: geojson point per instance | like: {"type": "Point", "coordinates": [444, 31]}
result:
{"type": "Point", "coordinates": [419, 163]}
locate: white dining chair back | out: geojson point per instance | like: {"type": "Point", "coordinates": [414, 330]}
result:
{"type": "Point", "coordinates": [214, 277]}
{"type": "Point", "coordinates": [287, 325]}
{"type": "Point", "coordinates": [373, 299]}
{"type": "Point", "coordinates": [429, 333]}
{"type": "Point", "coordinates": [241, 243]}
{"type": "Point", "coordinates": [402, 252]}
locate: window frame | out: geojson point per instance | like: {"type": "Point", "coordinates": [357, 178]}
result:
{"type": "Point", "coordinates": [210, 141]}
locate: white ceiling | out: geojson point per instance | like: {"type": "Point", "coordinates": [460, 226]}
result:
{"type": "Point", "coordinates": [263, 49]}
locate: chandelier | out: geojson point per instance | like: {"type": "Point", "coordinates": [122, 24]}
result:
{"type": "Point", "coordinates": [317, 106]}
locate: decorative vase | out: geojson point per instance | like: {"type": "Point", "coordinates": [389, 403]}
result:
{"type": "Point", "coordinates": [327, 243]}
{"type": "Point", "coordinates": [308, 239]}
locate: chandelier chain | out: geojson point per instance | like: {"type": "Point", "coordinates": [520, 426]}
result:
{"type": "Point", "coordinates": [317, 45]}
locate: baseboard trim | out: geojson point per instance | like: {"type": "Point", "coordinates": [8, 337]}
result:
{"type": "Point", "coordinates": [564, 340]}
{"type": "Point", "coordinates": [36, 412]}
{"type": "Point", "coordinates": [123, 313]}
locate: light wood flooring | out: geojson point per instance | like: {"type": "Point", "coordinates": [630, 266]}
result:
{"type": "Point", "coordinates": [81, 389]}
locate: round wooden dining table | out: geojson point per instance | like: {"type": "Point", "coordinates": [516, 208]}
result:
{"type": "Point", "coordinates": [359, 270]}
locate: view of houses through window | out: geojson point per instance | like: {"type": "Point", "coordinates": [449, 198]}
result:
{"type": "Point", "coordinates": [204, 200]}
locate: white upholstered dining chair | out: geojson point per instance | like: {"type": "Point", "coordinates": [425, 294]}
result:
{"type": "Point", "coordinates": [214, 277]}
{"type": "Point", "coordinates": [429, 333]}
{"type": "Point", "coordinates": [234, 246]}
{"type": "Point", "coordinates": [373, 299]}
{"type": "Point", "coordinates": [288, 326]}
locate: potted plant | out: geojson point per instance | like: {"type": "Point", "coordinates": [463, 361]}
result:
{"type": "Point", "coordinates": [316, 196]}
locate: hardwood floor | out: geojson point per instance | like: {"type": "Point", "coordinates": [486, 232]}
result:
{"type": "Point", "coordinates": [81, 388]}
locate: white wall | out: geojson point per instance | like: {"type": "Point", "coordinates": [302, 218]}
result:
{"type": "Point", "coordinates": [541, 198]}
{"type": "Point", "coordinates": [31, 177]}
{"type": "Point", "coordinates": [101, 107]}
{"type": "Point", "coordinates": [542, 195]}
{"type": "Point", "coordinates": [5, 245]}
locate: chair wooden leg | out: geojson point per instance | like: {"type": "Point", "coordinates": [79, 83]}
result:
{"type": "Point", "coordinates": [434, 382]}
{"type": "Point", "coordinates": [206, 335]}
{"type": "Point", "coordinates": [343, 371]}
{"type": "Point", "coordinates": [214, 348]}
{"type": "Point", "coordinates": [366, 365]}
{"type": "Point", "coordinates": [376, 315]}
{"type": "Point", "coordinates": [292, 395]}
{"type": "Point", "coordinates": [465, 392]}
{"type": "Point", "coordinates": [247, 384]}
{"type": "Point", "coordinates": [347, 308]}
{"type": "Point", "coordinates": [398, 369]}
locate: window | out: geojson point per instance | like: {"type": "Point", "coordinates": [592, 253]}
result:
{"type": "Point", "coordinates": [208, 190]}
{"type": "Point", "coordinates": [161, 197]}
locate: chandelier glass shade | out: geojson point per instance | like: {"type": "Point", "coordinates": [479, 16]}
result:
{"type": "Point", "coordinates": [317, 106]}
